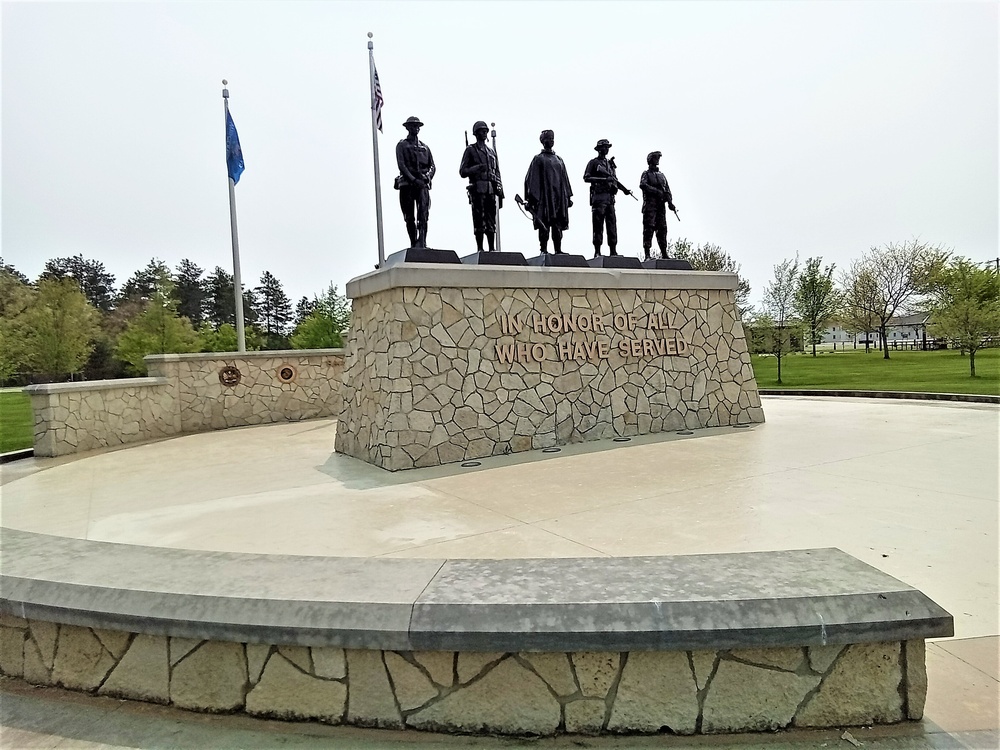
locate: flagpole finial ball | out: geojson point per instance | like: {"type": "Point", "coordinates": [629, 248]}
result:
{"type": "Point", "coordinates": [369, 35]}
{"type": "Point", "coordinates": [225, 82]}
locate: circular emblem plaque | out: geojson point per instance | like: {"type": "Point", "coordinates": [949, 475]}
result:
{"type": "Point", "coordinates": [286, 373]}
{"type": "Point", "coordinates": [229, 376]}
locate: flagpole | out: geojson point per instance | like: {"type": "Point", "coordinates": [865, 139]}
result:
{"type": "Point", "coordinates": [496, 199]}
{"type": "Point", "coordinates": [378, 179]}
{"type": "Point", "coordinates": [241, 341]}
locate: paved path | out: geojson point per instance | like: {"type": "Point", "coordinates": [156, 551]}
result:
{"type": "Point", "coordinates": [909, 487]}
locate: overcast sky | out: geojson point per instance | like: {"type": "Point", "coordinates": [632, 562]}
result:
{"type": "Point", "coordinates": [817, 128]}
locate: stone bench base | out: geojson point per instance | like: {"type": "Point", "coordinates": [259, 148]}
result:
{"type": "Point", "coordinates": [682, 692]}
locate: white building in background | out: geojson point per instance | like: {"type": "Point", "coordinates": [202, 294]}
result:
{"type": "Point", "coordinates": [905, 330]}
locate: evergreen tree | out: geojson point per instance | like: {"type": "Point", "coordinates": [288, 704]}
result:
{"type": "Point", "coordinates": [303, 308]}
{"type": "Point", "coordinates": [96, 283]}
{"type": "Point", "coordinates": [11, 271]}
{"type": "Point", "coordinates": [143, 283]}
{"type": "Point", "coordinates": [59, 328]}
{"type": "Point", "coordinates": [189, 291]}
{"type": "Point", "coordinates": [274, 310]}
{"type": "Point", "coordinates": [220, 304]}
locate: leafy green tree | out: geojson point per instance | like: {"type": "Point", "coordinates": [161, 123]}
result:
{"type": "Point", "coordinates": [709, 257]}
{"type": "Point", "coordinates": [816, 300]}
{"type": "Point", "coordinates": [16, 296]}
{"type": "Point", "coordinates": [779, 299]}
{"type": "Point", "coordinates": [325, 325]}
{"type": "Point", "coordinates": [143, 283]}
{"type": "Point", "coordinates": [223, 339]}
{"type": "Point", "coordinates": [189, 291]}
{"type": "Point", "coordinates": [94, 280]}
{"type": "Point", "coordinates": [965, 307]}
{"type": "Point", "coordinates": [157, 330]}
{"type": "Point", "coordinates": [59, 329]}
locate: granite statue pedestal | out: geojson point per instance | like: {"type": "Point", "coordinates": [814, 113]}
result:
{"type": "Point", "coordinates": [447, 363]}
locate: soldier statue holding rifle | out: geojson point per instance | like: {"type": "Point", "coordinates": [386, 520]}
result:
{"type": "Point", "coordinates": [416, 170]}
{"type": "Point", "coordinates": [604, 184]}
{"type": "Point", "coordinates": [479, 165]}
{"type": "Point", "coordinates": [656, 198]}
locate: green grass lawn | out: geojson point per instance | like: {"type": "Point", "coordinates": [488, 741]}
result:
{"type": "Point", "coordinates": [17, 424]}
{"type": "Point", "coordinates": [945, 371]}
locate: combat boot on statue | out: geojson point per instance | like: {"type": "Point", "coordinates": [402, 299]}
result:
{"type": "Point", "coordinates": [612, 250]}
{"type": "Point", "coordinates": [491, 240]}
{"type": "Point", "coordinates": [421, 236]}
{"type": "Point", "coordinates": [597, 250]}
{"type": "Point", "coordinates": [411, 231]}
{"type": "Point", "coordinates": [479, 242]}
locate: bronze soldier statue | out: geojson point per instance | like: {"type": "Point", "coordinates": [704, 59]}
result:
{"type": "Point", "coordinates": [548, 194]}
{"type": "Point", "coordinates": [604, 184]}
{"type": "Point", "coordinates": [479, 164]}
{"type": "Point", "coordinates": [416, 170]}
{"type": "Point", "coordinates": [656, 198]}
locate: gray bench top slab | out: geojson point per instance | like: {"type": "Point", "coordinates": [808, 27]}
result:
{"type": "Point", "coordinates": [784, 598]}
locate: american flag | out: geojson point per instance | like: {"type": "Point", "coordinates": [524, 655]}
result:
{"type": "Point", "coordinates": [377, 100]}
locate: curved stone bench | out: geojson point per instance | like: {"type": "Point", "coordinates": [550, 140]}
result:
{"type": "Point", "coordinates": [687, 644]}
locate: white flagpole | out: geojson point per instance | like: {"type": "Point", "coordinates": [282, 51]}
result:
{"type": "Point", "coordinates": [378, 179]}
{"type": "Point", "coordinates": [241, 340]}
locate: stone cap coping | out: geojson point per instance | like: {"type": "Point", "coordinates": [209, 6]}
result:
{"type": "Point", "coordinates": [446, 275]}
{"type": "Point", "coordinates": [263, 354]}
{"type": "Point", "coordinates": [762, 599]}
{"type": "Point", "coordinates": [95, 385]}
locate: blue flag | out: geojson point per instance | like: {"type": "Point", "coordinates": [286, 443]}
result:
{"type": "Point", "coordinates": [234, 154]}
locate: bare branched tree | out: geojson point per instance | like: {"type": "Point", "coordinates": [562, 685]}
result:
{"type": "Point", "coordinates": [888, 278]}
{"type": "Point", "coordinates": [779, 301]}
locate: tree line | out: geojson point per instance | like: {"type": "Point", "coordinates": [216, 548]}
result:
{"type": "Point", "coordinates": [961, 297]}
{"type": "Point", "coordinates": [73, 322]}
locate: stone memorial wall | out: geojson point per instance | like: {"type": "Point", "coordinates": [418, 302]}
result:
{"type": "Point", "coordinates": [186, 393]}
{"type": "Point", "coordinates": [450, 363]}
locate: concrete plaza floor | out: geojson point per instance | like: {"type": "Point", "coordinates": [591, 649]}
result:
{"type": "Point", "coordinates": [908, 487]}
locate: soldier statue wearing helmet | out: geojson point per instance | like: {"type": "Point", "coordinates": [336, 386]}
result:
{"type": "Point", "coordinates": [416, 170]}
{"type": "Point", "coordinates": [604, 184]}
{"type": "Point", "coordinates": [479, 165]}
{"type": "Point", "coordinates": [656, 198]}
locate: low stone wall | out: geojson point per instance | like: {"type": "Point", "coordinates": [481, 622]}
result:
{"type": "Point", "coordinates": [74, 417]}
{"type": "Point", "coordinates": [187, 393]}
{"type": "Point", "coordinates": [682, 692]}
{"type": "Point", "coordinates": [449, 363]}
{"type": "Point", "coordinates": [687, 644]}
